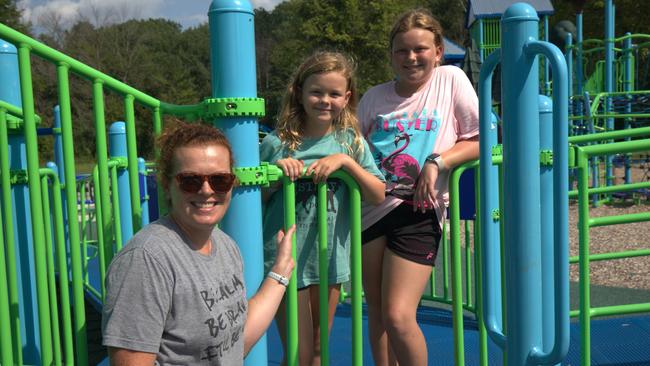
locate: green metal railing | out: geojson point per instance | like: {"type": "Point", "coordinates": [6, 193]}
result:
{"type": "Point", "coordinates": [355, 266]}
{"type": "Point", "coordinates": [24, 121]}
{"type": "Point", "coordinates": [586, 312]}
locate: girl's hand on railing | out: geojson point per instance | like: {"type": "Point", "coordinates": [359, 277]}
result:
{"type": "Point", "coordinates": [323, 167]}
{"type": "Point", "coordinates": [291, 167]}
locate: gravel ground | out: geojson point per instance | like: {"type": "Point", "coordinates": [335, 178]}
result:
{"type": "Point", "coordinates": [631, 273]}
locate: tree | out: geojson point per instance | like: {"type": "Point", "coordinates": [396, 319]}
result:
{"type": "Point", "coordinates": [10, 15]}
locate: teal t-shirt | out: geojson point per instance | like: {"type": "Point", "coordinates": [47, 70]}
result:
{"type": "Point", "coordinates": [338, 222]}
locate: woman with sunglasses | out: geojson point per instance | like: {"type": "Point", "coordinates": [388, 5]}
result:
{"type": "Point", "coordinates": [175, 294]}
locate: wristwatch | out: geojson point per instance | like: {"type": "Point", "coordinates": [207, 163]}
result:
{"type": "Point", "coordinates": [280, 278]}
{"type": "Point", "coordinates": [436, 159]}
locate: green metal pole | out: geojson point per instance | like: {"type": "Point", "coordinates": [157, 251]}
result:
{"type": "Point", "coordinates": [468, 266]}
{"type": "Point", "coordinates": [6, 348]}
{"type": "Point", "coordinates": [291, 297]}
{"type": "Point", "coordinates": [13, 322]}
{"type": "Point", "coordinates": [478, 274]}
{"type": "Point", "coordinates": [84, 223]}
{"type": "Point", "coordinates": [583, 225]}
{"type": "Point", "coordinates": [102, 164]}
{"type": "Point", "coordinates": [101, 235]}
{"type": "Point", "coordinates": [57, 209]}
{"type": "Point", "coordinates": [355, 264]}
{"type": "Point", "coordinates": [157, 129]}
{"type": "Point", "coordinates": [117, 229]}
{"type": "Point", "coordinates": [456, 268]}
{"type": "Point", "coordinates": [323, 273]}
{"type": "Point", "coordinates": [35, 204]}
{"type": "Point", "coordinates": [51, 280]}
{"type": "Point", "coordinates": [444, 245]}
{"type": "Point", "coordinates": [132, 156]}
{"type": "Point", "coordinates": [81, 346]}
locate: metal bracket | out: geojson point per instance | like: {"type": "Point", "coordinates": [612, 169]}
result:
{"type": "Point", "coordinates": [258, 175]}
{"type": "Point", "coordinates": [546, 157]}
{"type": "Point", "coordinates": [18, 177]}
{"type": "Point", "coordinates": [497, 150]}
{"type": "Point", "coordinates": [233, 107]}
{"type": "Point", "coordinates": [496, 214]}
{"type": "Point", "coordinates": [121, 161]}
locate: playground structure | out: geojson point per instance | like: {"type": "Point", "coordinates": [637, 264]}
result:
{"type": "Point", "coordinates": [609, 92]}
{"type": "Point", "coordinates": [39, 326]}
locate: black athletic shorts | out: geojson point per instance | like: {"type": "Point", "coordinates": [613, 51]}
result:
{"type": "Point", "coordinates": [411, 235]}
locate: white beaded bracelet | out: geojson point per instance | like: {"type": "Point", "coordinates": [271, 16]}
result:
{"type": "Point", "coordinates": [278, 277]}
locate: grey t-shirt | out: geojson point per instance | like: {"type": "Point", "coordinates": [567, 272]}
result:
{"type": "Point", "coordinates": [163, 297]}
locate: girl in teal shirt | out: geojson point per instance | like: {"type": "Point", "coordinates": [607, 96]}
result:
{"type": "Point", "coordinates": [317, 129]}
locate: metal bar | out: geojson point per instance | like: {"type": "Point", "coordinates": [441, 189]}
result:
{"type": "Point", "coordinates": [35, 204]}
{"type": "Point", "coordinates": [6, 347]}
{"type": "Point", "coordinates": [62, 265]}
{"type": "Point", "coordinates": [77, 67]}
{"type": "Point", "coordinates": [323, 265]}
{"type": "Point", "coordinates": [132, 156]}
{"type": "Point", "coordinates": [619, 219]}
{"type": "Point", "coordinates": [51, 281]}
{"type": "Point", "coordinates": [613, 255]}
{"type": "Point", "coordinates": [291, 297]}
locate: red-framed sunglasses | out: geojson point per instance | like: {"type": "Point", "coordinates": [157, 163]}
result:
{"type": "Point", "coordinates": [192, 183]}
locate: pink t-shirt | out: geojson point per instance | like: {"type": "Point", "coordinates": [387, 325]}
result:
{"type": "Point", "coordinates": [402, 132]}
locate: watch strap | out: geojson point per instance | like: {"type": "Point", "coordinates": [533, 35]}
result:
{"type": "Point", "coordinates": [284, 281]}
{"type": "Point", "coordinates": [437, 159]}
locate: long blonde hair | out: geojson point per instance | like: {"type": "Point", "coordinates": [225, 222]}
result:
{"type": "Point", "coordinates": [292, 115]}
{"type": "Point", "coordinates": [419, 19]}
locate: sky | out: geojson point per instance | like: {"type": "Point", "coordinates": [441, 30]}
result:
{"type": "Point", "coordinates": [186, 12]}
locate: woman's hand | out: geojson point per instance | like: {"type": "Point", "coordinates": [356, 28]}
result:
{"type": "Point", "coordinates": [322, 168]}
{"type": "Point", "coordinates": [291, 167]}
{"type": "Point", "coordinates": [284, 261]}
{"type": "Point", "coordinates": [425, 192]}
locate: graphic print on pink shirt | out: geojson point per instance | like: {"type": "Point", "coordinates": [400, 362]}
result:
{"type": "Point", "coordinates": [400, 145]}
{"type": "Point", "coordinates": [402, 166]}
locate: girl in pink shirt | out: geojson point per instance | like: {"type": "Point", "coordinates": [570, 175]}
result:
{"type": "Point", "coordinates": [419, 126]}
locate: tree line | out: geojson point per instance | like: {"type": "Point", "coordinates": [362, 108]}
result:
{"type": "Point", "coordinates": [160, 58]}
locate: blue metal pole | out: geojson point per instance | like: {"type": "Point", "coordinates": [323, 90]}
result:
{"type": "Point", "coordinates": [579, 72]}
{"type": "Point", "coordinates": [489, 206]}
{"type": "Point", "coordinates": [547, 79]}
{"type": "Point", "coordinates": [117, 149]}
{"type": "Point", "coordinates": [628, 85]}
{"type": "Point", "coordinates": [232, 49]}
{"type": "Point", "coordinates": [568, 56]}
{"type": "Point", "coordinates": [10, 92]}
{"type": "Point", "coordinates": [609, 78]}
{"type": "Point", "coordinates": [522, 233]}
{"type": "Point", "coordinates": [144, 192]}
{"type": "Point", "coordinates": [546, 208]}
{"type": "Point", "coordinates": [481, 40]}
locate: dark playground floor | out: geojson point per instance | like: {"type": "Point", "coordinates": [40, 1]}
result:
{"type": "Point", "coordinates": [623, 341]}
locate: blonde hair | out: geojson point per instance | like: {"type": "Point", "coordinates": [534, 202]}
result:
{"type": "Point", "coordinates": [421, 19]}
{"type": "Point", "coordinates": [292, 115]}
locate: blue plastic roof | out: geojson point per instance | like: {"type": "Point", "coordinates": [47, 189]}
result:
{"type": "Point", "coordinates": [478, 9]}
{"type": "Point", "coordinates": [452, 50]}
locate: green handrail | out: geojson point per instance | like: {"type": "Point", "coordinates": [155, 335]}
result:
{"type": "Point", "coordinates": [586, 312]}
{"type": "Point", "coordinates": [61, 266]}
{"type": "Point", "coordinates": [355, 264]}
{"type": "Point", "coordinates": [10, 244]}
{"type": "Point", "coordinates": [81, 346]}
{"type": "Point", "coordinates": [35, 204]}
{"type": "Point", "coordinates": [51, 281]}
